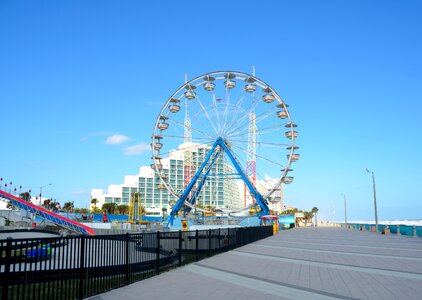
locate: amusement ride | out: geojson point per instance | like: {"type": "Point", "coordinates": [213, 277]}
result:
{"type": "Point", "coordinates": [242, 123]}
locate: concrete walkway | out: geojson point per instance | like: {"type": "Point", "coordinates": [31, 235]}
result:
{"type": "Point", "coordinates": [302, 263]}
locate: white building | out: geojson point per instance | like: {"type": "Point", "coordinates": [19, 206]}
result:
{"type": "Point", "coordinates": [217, 192]}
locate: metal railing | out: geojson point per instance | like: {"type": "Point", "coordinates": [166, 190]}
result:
{"type": "Point", "coordinates": [409, 230]}
{"type": "Point", "coordinates": [76, 267]}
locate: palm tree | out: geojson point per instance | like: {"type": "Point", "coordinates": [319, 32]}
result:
{"type": "Point", "coordinates": [94, 201]}
{"type": "Point", "coordinates": [25, 196]}
{"type": "Point", "coordinates": [142, 210]}
{"type": "Point", "coordinates": [46, 203]}
{"type": "Point", "coordinates": [290, 211]}
{"type": "Point", "coordinates": [314, 211]}
{"type": "Point", "coordinates": [109, 208]}
{"type": "Point", "coordinates": [123, 209]}
{"type": "Point", "coordinates": [68, 206]}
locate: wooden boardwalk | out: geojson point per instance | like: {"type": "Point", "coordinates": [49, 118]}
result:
{"type": "Point", "coordinates": [302, 263]}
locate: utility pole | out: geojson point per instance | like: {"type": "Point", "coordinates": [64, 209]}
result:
{"type": "Point", "coordinates": [345, 210]}
{"type": "Point", "coordinates": [375, 199]}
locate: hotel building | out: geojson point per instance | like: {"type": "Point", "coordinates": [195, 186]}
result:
{"type": "Point", "coordinates": [217, 192]}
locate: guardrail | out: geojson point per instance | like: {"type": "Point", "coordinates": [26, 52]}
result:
{"type": "Point", "coordinates": [76, 267]}
{"type": "Point", "coordinates": [408, 230]}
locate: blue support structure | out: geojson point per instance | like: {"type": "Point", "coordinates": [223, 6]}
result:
{"type": "Point", "coordinates": [192, 200]}
{"type": "Point", "coordinates": [220, 145]}
{"type": "Point", "coordinates": [262, 202]}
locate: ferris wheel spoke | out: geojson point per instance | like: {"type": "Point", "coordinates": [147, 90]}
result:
{"type": "Point", "coordinates": [206, 114]}
{"type": "Point", "coordinates": [260, 143]}
{"type": "Point", "coordinates": [194, 129]}
{"type": "Point", "coordinates": [202, 125]}
{"type": "Point", "coordinates": [215, 109]}
{"type": "Point", "coordinates": [269, 129]}
{"type": "Point", "coordinates": [239, 124]}
{"type": "Point", "coordinates": [238, 105]}
{"type": "Point", "coordinates": [266, 114]}
{"type": "Point", "coordinates": [225, 111]}
{"type": "Point", "coordinates": [188, 148]}
{"type": "Point", "coordinates": [264, 132]}
{"type": "Point", "coordinates": [181, 137]}
{"type": "Point", "coordinates": [259, 156]}
{"type": "Point", "coordinates": [252, 107]}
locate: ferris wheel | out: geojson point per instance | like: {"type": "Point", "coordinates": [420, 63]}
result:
{"type": "Point", "coordinates": [241, 111]}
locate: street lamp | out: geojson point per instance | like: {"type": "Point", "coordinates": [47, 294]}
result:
{"type": "Point", "coordinates": [39, 203]}
{"type": "Point", "coordinates": [345, 210]}
{"type": "Point", "coordinates": [375, 199]}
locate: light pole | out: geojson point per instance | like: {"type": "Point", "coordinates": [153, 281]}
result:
{"type": "Point", "coordinates": [345, 210]}
{"type": "Point", "coordinates": [375, 199]}
{"type": "Point", "coordinates": [39, 203]}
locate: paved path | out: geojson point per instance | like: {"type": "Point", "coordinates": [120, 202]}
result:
{"type": "Point", "coordinates": [302, 263]}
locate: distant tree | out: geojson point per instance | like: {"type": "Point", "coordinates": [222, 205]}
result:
{"type": "Point", "coordinates": [68, 206]}
{"type": "Point", "coordinates": [290, 211]}
{"type": "Point", "coordinates": [46, 203]}
{"type": "Point", "coordinates": [54, 206]}
{"type": "Point", "coordinates": [123, 209]}
{"type": "Point", "coordinates": [84, 211]}
{"type": "Point", "coordinates": [25, 196]}
{"type": "Point", "coordinates": [50, 204]}
{"type": "Point", "coordinates": [96, 210]}
{"type": "Point", "coordinates": [315, 211]}
{"type": "Point", "coordinates": [109, 208]}
{"type": "Point", "coordinates": [307, 216]}
{"type": "Point", "coordinates": [142, 210]}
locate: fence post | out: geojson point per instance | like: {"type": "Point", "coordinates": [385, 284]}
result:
{"type": "Point", "coordinates": [127, 258]}
{"type": "Point", "coordinates": [81, 268]}
{"type": "Point", "coordinates": [7, 268]}
{"type": "Point", "coordinates": [219, 239]}
{"type": "Point", "coordinates": [209, 242]}
{"type": "Point", "coordinates": [157, 266]}
{"type": "Point", "coordinates": [228, 239]}
{"type": "Point", "coordinates": [196, 246]}
{"type": "Point", "coordinates": [180, 248]}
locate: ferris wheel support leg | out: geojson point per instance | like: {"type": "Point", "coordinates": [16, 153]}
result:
{"type": "Point", "coordinates": [265, 210]}
{"type": "Point", "coordinates": [201, 183]}
{"type": "Point", "coordinates": [179, 204]}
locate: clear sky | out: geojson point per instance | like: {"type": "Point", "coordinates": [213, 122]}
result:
{"type": "Point", "coordinates": [73, 74]}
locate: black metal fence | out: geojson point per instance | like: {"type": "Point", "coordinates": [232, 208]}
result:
{"type": "Point", "coordinates": [76, 267]}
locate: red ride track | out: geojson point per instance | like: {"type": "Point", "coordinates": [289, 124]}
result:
{"type": "Point", "coordinates": [42, 212]}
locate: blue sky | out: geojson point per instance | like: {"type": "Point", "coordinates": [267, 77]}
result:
{"type": "Point", "coordinates": [75, 73]}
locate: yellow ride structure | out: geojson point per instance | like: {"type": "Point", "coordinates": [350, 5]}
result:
{"type": "Point", "coordinates": [135, 208]}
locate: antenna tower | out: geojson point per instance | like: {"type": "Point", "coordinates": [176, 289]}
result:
{"type": "Point", "coordinates": [188, 168]}
{"type": "Point", "coordinates": [251, 153]}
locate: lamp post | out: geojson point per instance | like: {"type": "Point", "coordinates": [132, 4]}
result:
{"type": "Point", "coordinates": [345, 210]}
{"type": "Point", "coordinates": [375, 199]}
{"type": "Point", "coordinates": [41, 187]}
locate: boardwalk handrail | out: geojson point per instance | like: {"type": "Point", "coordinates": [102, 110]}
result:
{"type": "Point", "coordinates": [77, 267]}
